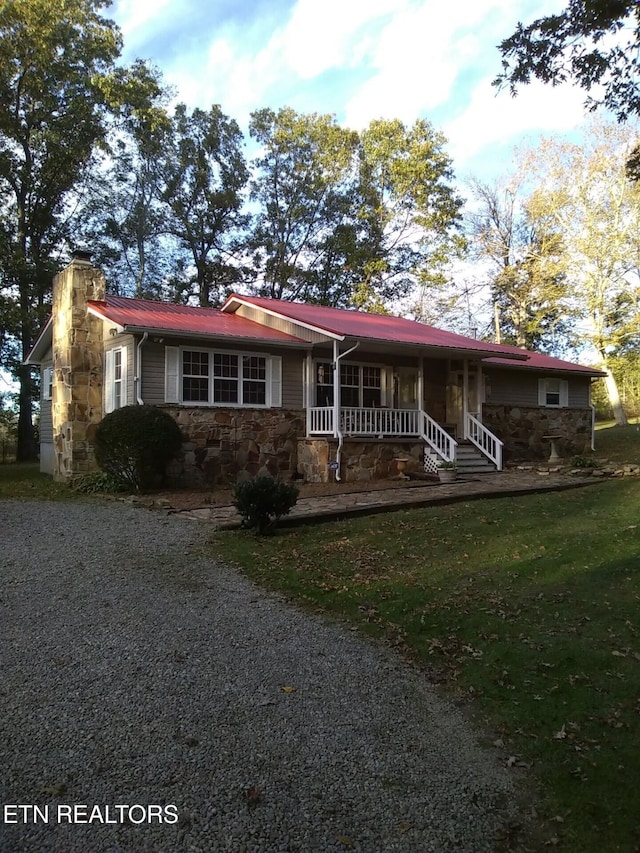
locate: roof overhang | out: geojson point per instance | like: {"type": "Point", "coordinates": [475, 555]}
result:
{"type": "Point", "coordinates": [234, 302]}
{"type": "Point", "coordinates": [42, 345]}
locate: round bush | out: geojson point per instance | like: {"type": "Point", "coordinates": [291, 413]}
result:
{"type": "Point", "coordinates": [135, 444]}
{"type": "Point", "coordinates": [262, 501]}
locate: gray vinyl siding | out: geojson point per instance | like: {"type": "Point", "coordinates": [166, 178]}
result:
{"type": "Point", "coordinates": [520, 388]}
{"type": "Point", "coordinates": [287, 326]}
{"type": "Point", "coordinates": [153, 370]}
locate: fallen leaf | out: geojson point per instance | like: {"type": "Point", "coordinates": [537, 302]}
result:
{"type": "Point", "coordinates": [55, 790]}
{"type": "Point", "coordinates": [253, 795]}
{"type": "Point", "coordinates": [344, 839]}
{"type": "Point", "coordinates": [561, 734]}
{"type": "Point", "coordinates": [288, 689]}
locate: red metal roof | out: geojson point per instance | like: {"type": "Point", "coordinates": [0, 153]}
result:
{"type": "Point", "coordinates": [358, 324]}
{"type": "Point", "coordinates": [168, 317]}
{"type": "Point", "coordinates": [379, 327]}
{"type": "Point", "coordinates": [540, 361]}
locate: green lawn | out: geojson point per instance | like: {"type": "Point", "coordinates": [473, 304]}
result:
{"type": "Point", "coordinates": [24, 481]}
{"type": "Point", "coordinates": [619, 444]}
{"type": "Point", "coordinates": [527, 608]}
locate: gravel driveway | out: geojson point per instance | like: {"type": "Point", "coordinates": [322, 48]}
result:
{"type": "Point", "coordinates": [155, 700]}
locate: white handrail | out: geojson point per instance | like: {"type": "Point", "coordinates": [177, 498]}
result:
{"type": "Point", "coordinates": [438, 439]}
{"type": "Point", "coordinates": [486, 442]}
{"type": "Point", "coordinates": [365, 422]}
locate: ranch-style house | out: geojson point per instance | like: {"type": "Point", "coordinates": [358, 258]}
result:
{"type": "Point", "coordinates": [301, 391]}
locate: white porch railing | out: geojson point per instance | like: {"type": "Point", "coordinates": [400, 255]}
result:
{"type": "Point", "coordinates": [409, 423]}
{"type": "Point", "coordinates": [366, 422]}
{"type": "Point", "coordinates": [484, 440]}
{"type": "Point", "coordinates": [320, 420]}
{"type": "Point", "coordinates": [438, 439]}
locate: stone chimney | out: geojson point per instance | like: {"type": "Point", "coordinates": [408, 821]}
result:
{"type": "Point", "coordinates": [77, 367]}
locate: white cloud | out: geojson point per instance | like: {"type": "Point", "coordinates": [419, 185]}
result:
{"type": "Point", "coordinates": [132, 15]}
{"type": "Point", "coordinates": [497, 118]}
{"type": "Point", "coordinates": [360, 59]}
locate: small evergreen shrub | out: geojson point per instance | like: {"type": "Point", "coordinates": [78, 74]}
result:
{"type": "Point", "coordinates": [262, 501]}
{"type": "Point", "coordinates": [135, 444]}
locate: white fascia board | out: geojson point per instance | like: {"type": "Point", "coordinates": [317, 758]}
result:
{"type": "Point", "coordinates": [316, 329]}
{"type": "Point", "coordinates": [104, 318]}
{"type": "Point", "coordinates": [42, 345]}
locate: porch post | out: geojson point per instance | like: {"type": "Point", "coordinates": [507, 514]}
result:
{"type": "Point", "coordinates": [479, 389]}
{"type": "Point", "coordinates": [420, 388]}
{"type": "Point", "coordinates": [308, 380]}
{"type": "Point", "coordinates": [336, 389]}
{"type": "Point", "coordinates": [465, 396]}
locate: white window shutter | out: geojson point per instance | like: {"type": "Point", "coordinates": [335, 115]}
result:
{"type": "Point", "coordinates": [387, 387]}
{"type": "Point", "coordinates": [276, 381]}
{"type": "Point", "coordinates": [542, 392]}
{"type": "Point", "coordinates": [564, 393]}
{"type": "Point", "coordinates": [172, 374]}
{"type": "Point", "coordinates": [124, 360]}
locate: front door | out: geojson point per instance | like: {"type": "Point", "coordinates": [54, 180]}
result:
{"type": "Point", "coordinates": [407, 385]}
{"type": "Point", "coordinates": [456, 395]}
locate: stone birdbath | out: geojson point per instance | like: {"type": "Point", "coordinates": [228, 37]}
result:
{"type": "Point", "coordinates": [554, 456]}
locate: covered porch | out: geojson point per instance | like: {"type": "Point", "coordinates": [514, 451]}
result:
{"type": "Point", "coordinates": [434, 401]}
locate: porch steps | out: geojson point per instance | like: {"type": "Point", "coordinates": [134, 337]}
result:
{"type": "Point", "coordinates": [470, 461]}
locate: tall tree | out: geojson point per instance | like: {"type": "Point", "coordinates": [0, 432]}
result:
{"type": "Point", "coordinates": [121, 214]}
{"type": "Point", "coordinates": [593, 43]}
{"type": "Point", "coordinates": [522, 251]}
{"type": "Point", "coordinates": [586, 191]}
{"type": "Point", "coordinates": [409, 209]}
{"type": "Point", "coordinates": [204, 174]}
{"type": "Point", "coordinates": [303, 235]}
{"type": "Point", "coordinates": [59, 87]}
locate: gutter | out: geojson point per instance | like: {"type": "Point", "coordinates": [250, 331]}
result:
{"type": "Point", "coordinates": [137, 379]}
{"type": "Point", "coordinates": [336, 400]}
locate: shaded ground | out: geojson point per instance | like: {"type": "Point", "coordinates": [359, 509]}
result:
{"type": "Point", "coordinates": [186, 499]}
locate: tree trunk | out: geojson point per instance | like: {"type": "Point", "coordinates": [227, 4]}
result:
{"type": "Point", "coordinates": [614, 397]}
{"type": "Point", "coordinates": [27, 446]}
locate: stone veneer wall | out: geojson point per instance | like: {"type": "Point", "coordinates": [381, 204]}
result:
{"type": "Point", "coordinates": [223, 446]}
{"type": "Point", "coordinates": [522, 430]}
{"type": "Point", "coordinates": [76, 405]}
{"type": "Point", "coordinates": [361, 461]}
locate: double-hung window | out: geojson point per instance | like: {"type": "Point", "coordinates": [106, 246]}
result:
{"type": "Point", "coordinates": [553, 393]}
{"type": "Point", "coordinates": [47, 383]}
{"type": "Point", "coordinates": [208, 377]}
{"type": "Point", "coordinates": [361, 385]}
{"type": "Point", "coordinates": [115, 379]}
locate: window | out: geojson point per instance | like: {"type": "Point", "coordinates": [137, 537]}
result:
{"type": "Point", "coordinates": [371, 387]}
{"type": "Point", "coordinates": [47, 383]}
{"type": "Point", "coordinates": [195, 377]}
{"type": "Point", "coordinates": [115, 379]}
{"type": "Point", "coordinates": [324, 384]}
{"type": "Point", "coordinates": [254, 380]}
{"type": "Point", "coordinates": [350, 385]}
{"type": "Point", "coordinates": [360, 385]}
{"type": "Point", "coordinates": [205, 377]}
{"type": "Point", "coordinates": [553, 393]}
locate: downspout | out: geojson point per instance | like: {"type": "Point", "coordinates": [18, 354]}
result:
{"type": "Point", "coordinates": [336, 400]}
{"type": "Point", "coordinates": [138, 377]}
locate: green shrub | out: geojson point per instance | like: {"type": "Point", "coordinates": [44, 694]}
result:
{"type": "Point", "coordinates": [135, 444]}
{"type": "Point", "coordinates": [98, 482]}
{"type": "Point", "coordinates": [262, 501]}
{"type": "Point", "coordinates": [583, 462]}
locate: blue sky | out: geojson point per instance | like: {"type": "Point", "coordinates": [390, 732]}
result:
{"type": "Point", "coordinates": [358, 60]}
